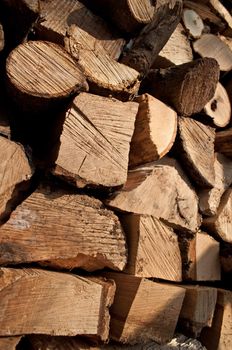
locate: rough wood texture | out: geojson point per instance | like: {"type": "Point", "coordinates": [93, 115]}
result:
{"type": "Point", "coordinates": [184, 87]}
{"type": "Point", "coordinates": [218, 336]}
{"type": "Point", "coordinates": [223, 142]}
{"type": "Point", "coordinates": [197, 150]}
{"type": "Point", "coordinates": [221, 224]}
{"type": "Point", "coordinates": [209, 199]}
{"type": "Point", "coordinates": [193, 23]}
{"type": "Point", "coordinates": [223, 13]}
{"type": "Point", "coordinates": [94, 144]}
{"type": "Point", "coordinates": [160, 189]}
{"type": "Point", "coordinates": [44, 302]}
{"type": "Point", "coordinates": [134, 318]}
{"type": "Point", "coordinates": [155, 131]}
{"type": "Point", "coordinates": [197, 309]}
{"type": "Point", "coordinates": [2, 41]}
{"type": "Point", "coordinates": [153, 248]}
{"type": "Point", "coordinates": [153, 37]}
{"type": "Point", "coordinates": [41, 72]}
{"type": "Point", "coordinates": [226, 257]}
{"type": "Point", "coordinates": [65, 230]}
{"type": "Point", "coordinates": [9, 343]}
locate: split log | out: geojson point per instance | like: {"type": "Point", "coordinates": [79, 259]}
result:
{"type": "Point", "coordinates": [59, 15]}
{"type": "Point", "coordinates": [41, 73]}
{"type": "Point", "coordinates": [193, 23]}
{"type": "Point", "coordinates": [94, 145]}
{"type": "Point", "coordinates": [220, 224]}
{"type": "Point", "coordinates": [209, 199]}
{"type": "Point", "coordinates": [198, 254]}
{"type": "Point", "coordinates": [223, 13]}
{"type": "Point", "coordinates": [15, 173]}
{"type": "Point", "coordinates": [223, 142]}
{"type": "Point", "coordinates": [183, 87]}
{"type": "Point", "coordinates": [64, 230]}
{"type": "Point", "coordinates": [9, 343]}
{"type": "Point", "coordinates": [153, 36]}
{"type": "Point", "coordinates": [226, 257]}
{"type": "Point", "coordinates": [134, 318]}
{"type": "Point", "coordinates": [155, 131]}
{"type": "Point", "coordinates": [197, 309]}
{"type": "Point", "coordinates": [162, 190]}
{"type": "Point", "coordinates": [196, 141]}
{"type": "Point", "coordinates": [45, 302]}
{"type": "Point", "coordinates": [218, 336]}
{"type": "Point", "coordinates": [153, 249]}
{"type": "Point", "coordinates": [210, 45]}
{"type": "Point", "coordinates": [2, 41]}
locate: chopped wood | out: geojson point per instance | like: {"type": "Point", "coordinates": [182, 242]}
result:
{"type": "Point", "coordinates": [134, 318]}
{"type": "Point", "coordinates": [197, 150]}
{"type": "Point", "coordinates": [153, 249]}
{"type": "Point", "coordinates": [64, 230]}
{"type": "Point", "coordinates": [223, 13]}
{"type": "Point", "coordinates": [41, 72]}
{"type": "Point", "coordinates": [226, 257]}
{"type": "Point", "coordinates": [223, 142]}
{"type": "Point", "coordinates": [2, 41]}
{"type": "Point", "coordinates": [45, 302]}
{"type": "Point", "coordinates": [210, 45]}
{"type": "Point", "coordinates": [197, 309]}
{"type": "Point", "coordinates": [221, 224]}
{"type": "Point", "coordinates": [94, 145]}
{"type": "Point", "coordinates": [209, 199]}
{"type": "Point", "coordinates": [155, 131]}
{"type": "Point", "coordinates": [153, 36]}
{"type": "Point", "coordinates": [184, 86]}
{"type": "Point", "coordinates": [9, 343]}
{"type": "Point", "coordinates": [160, 189]}
{"type": "Point", "coordinates": [193, 23]}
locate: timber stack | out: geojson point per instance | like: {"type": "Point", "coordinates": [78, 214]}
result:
{"type": "Point", "coordinates": [115, 174]}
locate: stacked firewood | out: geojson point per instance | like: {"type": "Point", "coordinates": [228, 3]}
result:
{"type": "Point", "coordinates": [115, 174]}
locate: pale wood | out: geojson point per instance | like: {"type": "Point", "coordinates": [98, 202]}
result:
{"type": "Point", "coordinates": [155, 131]}
{"type": "Point", "coordinates": [223, 13]}
{"type": "Point", "coordinates": [15, 173]}
{"type": "Point", "coordinates": [153, 249]}
{"type": "Point", "coordinates": [221, 224]}
{"type": "Point", "coordinates": [183, 87]}
{"type": "Point", "coordinates": [218, 336]}
{"type": "Point", "coordinates": [209, 199]}
{"type": "Point", "coordinates": [34, 301]}
{"type": "Point", "coordinates": [223, 142]}
{"type": "Point", "coordinates": [226, 257]}
{"type": "Point", "coordinates": [197, 309]}
{"type": "Point", "coordinates": [65, 230]}
{"type": "Point", "coordinates": [210, 45]}
{"type": "Point", "coordinates": [2, 41]}
{"type": "Point", "coordinates": [160, 189]}
{"type": "Point", "coordinates": [94, 144]}
{"type": "Point", "coordinates": [193, 23]}
{"type": "Point", "coordinates": [9, 343]}
{"type": "Point", "coordinates": [197, 150]}
{"type": "Point", "coordinates": [144, 310]}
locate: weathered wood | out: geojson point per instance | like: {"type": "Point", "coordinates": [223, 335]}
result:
{"type": "Point", "coordinates": [197, 309]}
{"type": "Point", "coordinates": [196, 141]}
{"type": "Point", "coordinates": [40, 73]}
{"type": "Point", "coordinates": [153, 36]}
{"type": "Point", "coordinates": [134, 318]}
{"type": "Point", "coordinates": [193, 23]}
{"type": "Point", "coordinates": [94, 144]}
{"type": "Point", "coordinates": [209, 199]}
{"type": "Point", "coordinates": [2, 41]}
{"type": "Point", "coordinates": [155, 131]}
{"type": "Point", "coordinates": [223, 142]}
{"type": "Point", "coordinates": [183, 87]}
{"type": "Point", "coordinates": [153, 249]}
{"type": "Point", "coordinates": [65, 230]}
{"type": "Point", "coordinates": [226, 257]}
{"type": "Point", "coordinates": [9, 343]}
{"type": "Point", "coordinates": [34, 301]}
{"type": "Point", "coordinates": [160, 189]}
{"type": "Point", "coordinates": [223, 13]}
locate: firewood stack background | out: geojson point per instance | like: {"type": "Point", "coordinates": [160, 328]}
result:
{"type": "Point", "coordinates": [115, 174]}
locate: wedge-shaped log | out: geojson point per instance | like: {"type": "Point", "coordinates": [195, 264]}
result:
{"type": "Point", "coordinates": [197, 309]}
{"type": "Point", "coordinates": [94, 144]}
{"type": "Point", "coordinates": [197, 150]}
{"type": "Point", "coordinates": [44, 302]}
{"type": "Point", "coordinates": [183, 87]}
{"type": "Point", "coordinates": [9, 343]}
{"type": "Point", "coordinates": [162, 190]}
{"type": "Point", "coordinates": [155, 131]}
{"type": "Point", "coordinates": [153, 248]}
{"type": "Point", "coordinates": [64, 230]}
{"type": "Point", "coordinates": [223, 142]}
{"type": "Point", "coordinates": [2, 40]}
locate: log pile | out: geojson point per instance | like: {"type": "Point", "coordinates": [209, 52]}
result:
{"type": "Point", "coordinates": [115, 174]}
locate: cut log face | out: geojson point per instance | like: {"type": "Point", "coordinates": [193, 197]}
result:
{"type": "Point", "coordinates": [209, 199]}
{"type": "Point", "coordinates": [155, 131]}
{"type": "Point", "coordinates": [9, 343]}
{"type": "Point", "coordinates": [197, 150]}
{"type": "Point", "coordinates": [94, 145]}
{"type": "Point", "coordinates": [131, 325]}
{"type": "Point", "coordinates": [184, 87]}
{"type": "Point", "coordinates": [162, 190]}
{"type": "Point", "coordinates": [2, 41]}
{"type": "Point", "coordinates": [193, 23]}
{"type": "Point", "coordinates": [53, 303]}
{"type": "Point", "coordinates": [63, 230]}
{"type": "Point", "coordinates": [153, 248]}
{"type": "Point", "coordinates": [223, 142]}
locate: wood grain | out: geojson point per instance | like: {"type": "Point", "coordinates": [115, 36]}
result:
{"type": "Point", "coordinates": [223, 142]}
{"type": "Point", "coordinates": [9, 343]}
